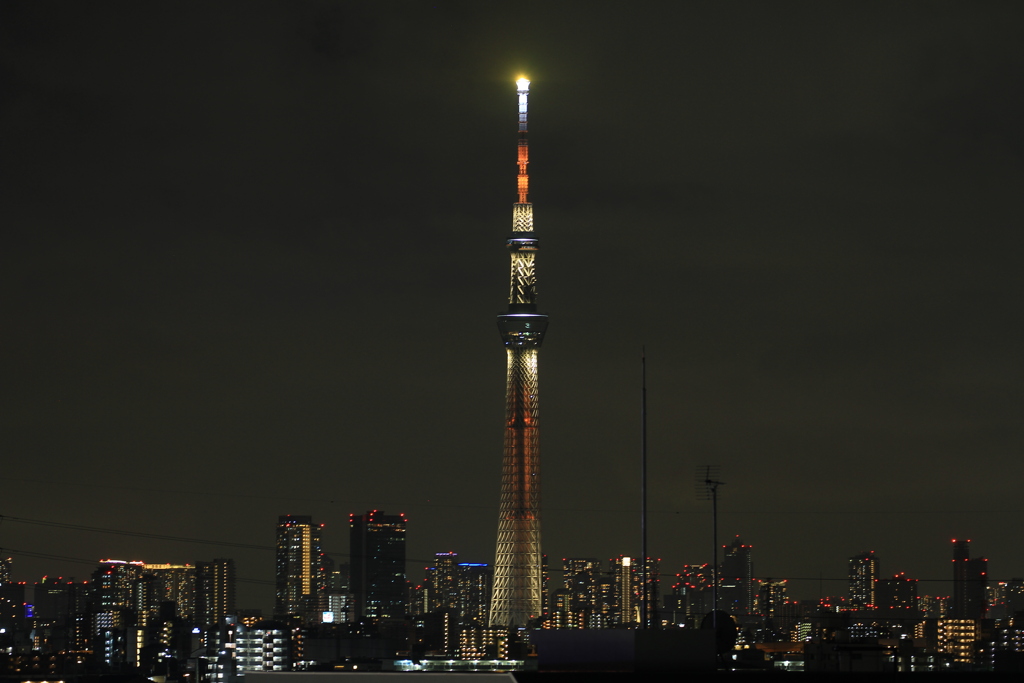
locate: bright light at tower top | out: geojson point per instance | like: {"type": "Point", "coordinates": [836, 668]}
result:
{"type": "Point", "coordinates": [523, 83]}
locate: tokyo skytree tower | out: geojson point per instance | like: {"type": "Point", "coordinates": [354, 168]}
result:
{"type": "Point", "coordinates": [517, 565]}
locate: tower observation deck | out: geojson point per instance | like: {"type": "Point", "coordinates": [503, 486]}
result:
{"type": "Point", "coordinates": [516, 598]}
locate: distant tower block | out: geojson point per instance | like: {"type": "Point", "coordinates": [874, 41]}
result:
{"type": "Point", "coordinates": [516, 599]}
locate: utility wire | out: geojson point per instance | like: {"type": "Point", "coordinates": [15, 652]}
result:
{"type": "Point", "coordinates": [428, 504]}
{"type": "Point", "coordinates": [139, 534]}
{"type": "Point", "coordinates": [165, 537]}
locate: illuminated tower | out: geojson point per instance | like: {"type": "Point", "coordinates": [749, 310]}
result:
{"type": "Point", "coordinates": [517, 566]}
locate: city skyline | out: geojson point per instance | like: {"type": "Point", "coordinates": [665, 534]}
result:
{"type": "Point", "coordinates": [136, 616]}
{"type": "Point", "coordinates": [739, 574]}
{"type": "Point", "coordinates": [244, 237]}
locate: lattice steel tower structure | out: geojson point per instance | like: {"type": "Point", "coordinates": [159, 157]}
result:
{"type": "Point", "coordinates": [516, 598]}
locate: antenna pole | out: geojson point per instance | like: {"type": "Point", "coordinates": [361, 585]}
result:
{"type": "Point", "coordinates": [707, 487]}
{"type": "Point", "coordinates": [644, 589]}
{"type": "Point", "coordinates": [714, 565]}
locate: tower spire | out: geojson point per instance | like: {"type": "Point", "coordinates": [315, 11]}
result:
{"type": "Point", "coordinates": [516, 598]}
{"type": "Point", "coordinates": [523, 89]}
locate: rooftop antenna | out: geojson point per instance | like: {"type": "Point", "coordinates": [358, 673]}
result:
{"type": "Point", "coordinates": [707, 489]}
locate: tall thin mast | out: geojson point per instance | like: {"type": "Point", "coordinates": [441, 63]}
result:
{"type": "Point", "coordinates": [517, 597]}
{"type": "Point", "coordinates": [644, 567]}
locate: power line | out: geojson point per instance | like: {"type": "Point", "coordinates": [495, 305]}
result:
{"type": "Point", "coordinates": [138, 534]}
{"type": "Point", "coordinates": [165, 537]}
{"type": "Point", "coordinates": [604, 510]}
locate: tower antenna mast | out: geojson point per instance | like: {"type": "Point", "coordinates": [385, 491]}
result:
{"type": "Point", "coordinates": [644, 569]}
{"type": "Point", "coordinates": [707, 489]}
{"type": "Point", "coordinates": [516, 600]}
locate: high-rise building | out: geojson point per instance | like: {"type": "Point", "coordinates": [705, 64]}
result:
{"type": "Point", "coordinates": [215, 591]}
{"type": "Point", "coordinates": [518, 584]}
{"type": "Point", "coordinates": [377, 557]}
{"type": "Point", "coordinates": [442, 582]}
{"type": "Point", "coordinates": [934, 607]}
{"type": "Point", "coordinates": [116, 604]}
{"type": "Point", "coordinates": [627, 603]}
{"type": "Point", "coordinates": [475, 581]}
{"type": "Point", "coordinates": [12, 606]}
{"type": "Point", "coordinates": [692, 595]}
{"type": "Point", "coordinates": [169, 583]}
{"type": "Point", "coordinates": [61, 614]}
{"type": "Point", "coordinates": [602, 602]}
{"type": "Point", "coordinates": [115, 585]}
{"type": "Point", "coordinates": [970, 579]}
{"type": "Point", "coordinates": [770, 595]}
{"type": "Point", "coordinates": [302, 573]}
{"type": "Point", "coordinates": [580, 575]}
{"type": "Point", "coordinates": [896, 598]}
{"type": "Point", "coordinates": [736, 583]}
{"type": "Point", "coordinates": [863, 573]}
{"type": "Point", "coordinates": [775, 610]}
{"type": "Point", "coordinates": [5, 570]}
{"type": "Point", "coordinates": [653, 577]}
{"type": "Point", "coordinates": [339, 596]}
{"type": "Point", "coordinates": [1014, 596]}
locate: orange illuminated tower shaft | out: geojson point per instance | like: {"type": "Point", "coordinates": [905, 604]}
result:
{"type": "Point", "coordinates": [516, 599]}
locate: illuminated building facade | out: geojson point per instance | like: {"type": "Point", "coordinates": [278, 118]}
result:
{"type": "Point", "coordinates": [518, 583]}
{"type": "Point", "coordinates": [770, 596]}
{"type": "Point", "coordinates": [302, 568]}
{"type": "Point", "coordinates": [1013, 597]}
{"type": "Point", "coordinates": [442, 582]}
{"type": "Point", "coordinates": [863, 573]}
{"type": "Point", "coordinates": [175, 583]}
{"type": "Point", "coordinates": [264, 646]}
{"type": "Point", "coordinates": [959, 637]}
{"type": "Point", "coordinates": [5, 570]}
{"type": "Point", "coordinates": [627, 605]}
{"type": "Point", "coordinates": [653, 575]}
{"type": "Point", "coordinates": [475, 585]}
{"type": "Point", "coordinates": [215, 591]}
{"type": "Point", "coordinates": [377, 556]}
{"type": "Point", "coordinates": [116, 586]}
{"type": "Point", "coordinates": [580, 576]}
{"type": "Point", "coordinates": [934, 606]}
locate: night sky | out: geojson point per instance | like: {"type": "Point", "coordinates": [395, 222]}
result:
{"type": "Point", "coordinates": [254, 251]}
